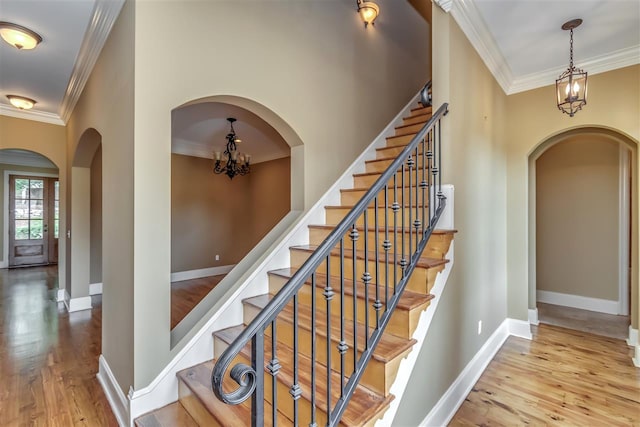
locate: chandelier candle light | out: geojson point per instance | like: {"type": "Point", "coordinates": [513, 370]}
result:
{"type": "Point", "coordinates": [231, 162]}
{"type": "Point", "coordinates": [571, 86]}
{"type": "Point", "coordinates": [368, 11]}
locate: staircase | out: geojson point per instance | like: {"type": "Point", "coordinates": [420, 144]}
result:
{"type": "Point", "coordinates": [315, 342]}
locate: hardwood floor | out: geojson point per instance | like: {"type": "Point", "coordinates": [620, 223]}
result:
{"type": "Point", "coordinates": [608, 325]}
{"type": "Point", "coordinates": [187, 294]}
{"type": "Point", "coordinates": [48, 357]}
{"type": "Point", "coordinates": [561, 377]}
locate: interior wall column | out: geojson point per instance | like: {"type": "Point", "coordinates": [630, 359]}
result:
{"type": "Point", "coordinates": [77, 297]}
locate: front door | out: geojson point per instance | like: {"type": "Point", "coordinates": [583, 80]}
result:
{"type": "Point", "coordinates": [33, 209]}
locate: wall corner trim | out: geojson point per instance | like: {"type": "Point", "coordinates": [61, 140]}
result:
{"type": "Point", "coordinates": [60, 297]}
{"type": "Point", "coordinates": [633, 337]}
{"type": "Point", "coordinates": [116, 397]}
{"type": "Point", "coordinates": [533, 316]}
{"type": "Point", "coordinates": [636, 360]}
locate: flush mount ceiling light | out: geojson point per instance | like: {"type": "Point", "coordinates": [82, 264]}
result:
{"type": "Point", "coordinates": [368, 11]}
{"type": "Point", "coordinates": [19, 36]}
{"type": "Point", "coordinates": [21, 102]}
{"type": "Point", "coordinates": [231, 162]}
{"type": "Point", "coordinates": [571, 86]}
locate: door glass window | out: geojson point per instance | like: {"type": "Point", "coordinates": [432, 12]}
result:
{"type": "Point", "coordinates": [29, 208]}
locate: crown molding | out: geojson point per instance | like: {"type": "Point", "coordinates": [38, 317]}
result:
{"type": "Point", "coordinates": [39, 116]}
{"type": "Point", "coordinates": [444, 4]}
{"type": "Point", "coordinates": [473, 26]}
{"type": "Point", "coordinates": [595, 65]}
{"type": "Point", "coordinates": [105, 13]}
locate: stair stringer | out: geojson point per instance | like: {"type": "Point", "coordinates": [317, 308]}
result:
{"type": "Point", "coordinates": [409, 363]}
{"type": "Point", "coordinates": [163, 390]}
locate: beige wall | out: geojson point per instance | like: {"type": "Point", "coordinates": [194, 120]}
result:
{"type": "Point", "coordinates": [577, 216]}
{"type": "Point", "coordinates": [48, 140]}
{"type": "Point", "coordinates": [212, 214]}
{"type": "Point", "coordinates": [106, 105]}
{"type": "Point", "coordinates": [26, 170]}
{"type": "Point", "coordinates": [95, 275]}
{"type": "Point", "coordinates": [474, 156]}
{"type": "Point", "coordinates": [534, 119]}
{"type": "Point", "coordinates": [312, 63]}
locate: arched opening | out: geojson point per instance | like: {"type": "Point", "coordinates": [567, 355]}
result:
{"type": "Point", "coordinates": [583, 230]}
{"type": "Point", "coordinates": [85, 248]}
{"type": "Point", "coordinates": [30, 216]}
{"type": "Point", "coordinates": [216, 220]}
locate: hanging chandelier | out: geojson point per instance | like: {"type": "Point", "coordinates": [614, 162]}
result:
{"type": "Point", "coordinates": [571, 86]}
{"type": "Point", "coordinates": [231, 162]}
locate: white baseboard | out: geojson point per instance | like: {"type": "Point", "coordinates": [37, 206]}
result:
{"type": "Point", "coordinates": [76, 304]}
{"type": "Point", "coordinates": [61, 295]}
{"type": "Point", "coordinates": [533, 316]}
{"type": "Point", "coordinates": [203, 272]}
{"type": "Point", "coordinates": [633, 337]}
{"type": "Point", "coordinates": [117, 399]}
{"type": "Point", "coordinates": [577, 301]}
{"type": "Point", "coordinates": [445, 409]}
{"type": "Point", "coordinates": [4, 264]}
{"type": "Point", "coordinates": [636, 360]}
{"type": "Point", "coordinates": [95, 289]}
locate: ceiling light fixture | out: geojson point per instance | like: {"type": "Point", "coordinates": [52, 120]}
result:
{"type": "Point", "coordinates": [231, 162]}
{"type": "Point", "coordinates": [571, 86]}
{"type": "Point", "coordinates": [21, 102]}
{"type": "Point", "coordinates": [368, 11]}
{"type": "Point", "coordinates": [18, 36]}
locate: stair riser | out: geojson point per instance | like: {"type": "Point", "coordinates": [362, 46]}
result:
{"type": "Point", "coordinates": [383, 153]}
{"type": "Point", "coordinates": [334, 215]}
{"type": "Point", "coordinates": [437, 246]}
{"type": "Point", "coordinates": [195, 408]}
{"type": "Point", "coordinates": [401, 140]}
{"type": "Point", "coordinates": [413, 177]}
{"type": "Point", "coordinates": [421, 280]}
{"type": "Point", "coordinates": [350, 198]}
{"type": "Point", "coordinates": [402, 323]}
{"type": "Point", "coordinates": [420, 111]}
{"type": "Point", "coordinates": [376, 374]}
{"type": "Point", "coordinates": [382, 165]}
{"type": "Point", "coordinates": [416, 118]}
{"type": "Point", "coordinates": [408, 130]}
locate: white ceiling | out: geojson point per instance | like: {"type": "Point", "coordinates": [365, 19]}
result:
{"type": "Point", "coordinates": [524, 46]}
{"type": "Point", "coordinates": [520, 41]}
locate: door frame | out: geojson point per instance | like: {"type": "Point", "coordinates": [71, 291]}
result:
{"type": "Point", "coordinates": [5, 209]}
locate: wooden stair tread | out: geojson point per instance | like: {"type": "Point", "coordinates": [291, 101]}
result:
{"type": "Point", "coordinates": [400, 127]}
{"type": "Point", "coordinates": [171, 415]}
{"type": "Point", "coordinates": [363, 404]}
{"type": "Point", "coordinates": [420, 107]}
{"type": "Point", "coordinates": [389, 347]}
{"type": "Point", "coordinates": [361, 174]}
{"type": "Point", "coordinates": [349, 190]}
{"type": "Point", "coordinates": [198, 379]}
{"type": "Point", "coordinates": [422, 262]}
{"type": "Point", "coordinates": [408, 301]}
{"type": "Point", "coordinates": [437, 231]}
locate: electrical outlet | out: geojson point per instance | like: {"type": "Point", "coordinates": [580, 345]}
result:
{"type": "Point", "coordinates": [479, 327]}
{"type": "Point", "coordinates": [217, 257]}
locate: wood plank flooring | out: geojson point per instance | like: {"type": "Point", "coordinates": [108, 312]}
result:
{"type": "Point", "coordinates": [186, 294]}
{"type": "Point", "coordinates": [561, 377]}
{"type": "Point", "coordinates": [48, 357]}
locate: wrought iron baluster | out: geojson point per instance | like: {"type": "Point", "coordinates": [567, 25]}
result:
{"type": "Point", "coordinates": [354, 239]}
{"type": "Point", "coordinates": [403, 260]}
{"type": "Point", "coordinates": [395, 208]}
{"type": "Point", "coordinates": [386, 246]}
{"type": "Point", "coordinates": [295, 390]}
{"type": "Point", "coordinates": [440, 194]}
{"type": "Point", "coordinates": [328, 296]}
{"type": "Point", "coordinates": [313, 349]}
{"type": "Point", "coordinates": [366, 280]}
{"type": "Point", "coordinates": [377, 305]}
{"type": "Point", "coordinates": [423, 183]}
{"type": "Point", "coordinates": [257, 363]}
{"type": "Point", "coordinates": [342, 346]}
{"type": "Point", "coordinates": [416, 221]}
{"type": "Point", "coordinates": [274, 367]}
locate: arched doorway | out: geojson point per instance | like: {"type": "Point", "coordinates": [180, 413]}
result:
{"type": "Point", "coordinates": [85, 249]}
{"type": "Point", "coordinates": [217, 220]}
{"type": "Point", "coordinates": [30, 217]}
{"type": "Point", "coordinates": [580, 225]}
